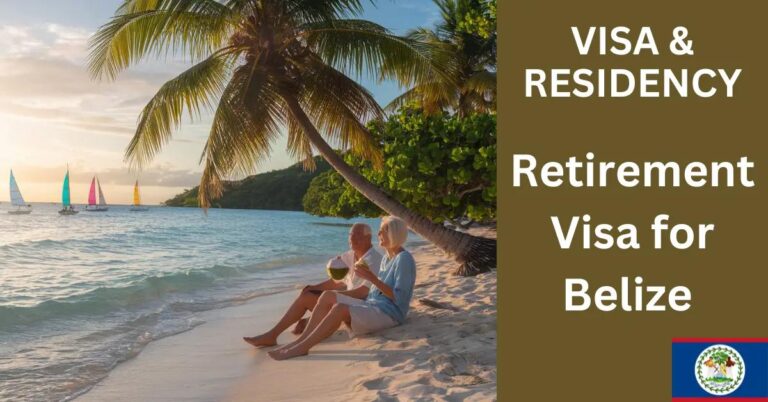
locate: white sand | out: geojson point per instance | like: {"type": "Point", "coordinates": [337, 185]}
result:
{"type": "Point", "coordinates": [437, 355]}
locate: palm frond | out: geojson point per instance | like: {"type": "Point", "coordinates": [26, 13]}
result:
{"type": "Point", "coordinates": [193, 90]}
{"type": "Point", "coordinates": [409, 96]}
{"type": "Point", "coordinates": [474, 102]}
{"type": "Point", "coordinates": [433, 97]}
{"type": "Point", "coordinates": [358, 47]}
{"type": "Point", "coordinates": [299, 146]}
{"type": "Point", "coordinates": [450, 15]}
{"type": "Point", "coordinates": [479, 93]}
{"type": "Point", "coordinates": [340, 108]}
{"type": "Point", "coordinates": [193, 28]}
{"type": "Point", "coordinates": [473, 60]}
{"type": "Point", "coordinates": [246, 123]}
{"type": "Point", "coordinates": [482, 82]}
{"type": "Point", "coordinates": [316, 11]}
{"type": "Point", "coordinates": [134, 6]}
{"type": "Point", "coordinates": [425, 35]}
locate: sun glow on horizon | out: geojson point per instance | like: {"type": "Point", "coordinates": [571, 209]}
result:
{"type": "Point", "coordinates": [53, 114]}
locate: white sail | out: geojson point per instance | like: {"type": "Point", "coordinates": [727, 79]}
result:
{"type": "Point", "coordinates": [16, 199]}
{"type": "Point", "coordinates": [102, 201]}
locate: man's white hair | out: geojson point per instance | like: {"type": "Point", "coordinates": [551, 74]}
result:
{"type": "Point", "coordinates": [364, 228]}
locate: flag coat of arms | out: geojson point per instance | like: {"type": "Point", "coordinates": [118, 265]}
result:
{"type": "Point", "coordinates": [722, 369]}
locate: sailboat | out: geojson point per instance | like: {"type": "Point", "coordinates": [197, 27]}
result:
{"type": "Point", "coordinates": [92, 205]}
{"type": "Point", "coordinates": [65, 201]}
{"type": "Point", "coordinates": [137, 207]}
{"type": "Point", "coordinates": [22, 208]}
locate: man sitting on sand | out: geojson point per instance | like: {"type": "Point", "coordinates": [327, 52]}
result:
{"type": "Point", "coordinates": [351, 286]}
{"type": "Point", "coordinates": [385, 307]}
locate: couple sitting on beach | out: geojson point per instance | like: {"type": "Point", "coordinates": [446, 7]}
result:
{"type": "Point", "coordinates": [374, 295]}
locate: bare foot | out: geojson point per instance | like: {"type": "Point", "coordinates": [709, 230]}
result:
{"type": "Point", "coordinates": [284, 354]}
{"type": "Point", "coordinates": [261, 340]}
{"type": "Point", "coordinates": [284, 347]}
{"type": "Point", "coordinates": [300, 326]}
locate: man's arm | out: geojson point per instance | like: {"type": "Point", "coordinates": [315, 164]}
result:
{"type": "Point", "coordinates": [360, 292]}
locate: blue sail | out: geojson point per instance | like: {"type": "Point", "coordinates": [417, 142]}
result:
{"type": "Point", "coordinates": [65, 191]}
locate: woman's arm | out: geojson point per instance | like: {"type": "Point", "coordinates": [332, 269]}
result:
{"type": "Point", "coordinates": [405, 278]}
{"type": "Point", "coordinates": [371, 277]}
{"type": "Point", "coordinates": [384, 288]}
{"type": "Point", "coordinates": [404, 271]}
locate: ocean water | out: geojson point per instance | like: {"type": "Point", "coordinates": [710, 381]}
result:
{"type": "Point", "coordinates": [80, 294]}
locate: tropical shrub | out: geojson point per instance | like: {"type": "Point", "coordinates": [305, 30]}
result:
{"type": "Point", "coordinates": [440, 166]}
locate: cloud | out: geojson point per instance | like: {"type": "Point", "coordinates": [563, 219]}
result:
{"type": "Point", "coordinates": [46, 40]}
{"type": "Point", "coordinates": [69, 43]}
{"type": "Point", "coordinates": [43, 77]}
{"type": "Point", "coordinates": [15, 41]}
{"type": "Point", "coordinates": [50, 82]}
{"type": "Point", "coordinates": [158, 176]}
{"type": "Point", "coordinates": [161, 175]}
{"type": "Point", "coordinates": [60, 92]}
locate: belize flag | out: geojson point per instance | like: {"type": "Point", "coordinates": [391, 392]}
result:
{"type": "Point", "coordinates": [719, 369]}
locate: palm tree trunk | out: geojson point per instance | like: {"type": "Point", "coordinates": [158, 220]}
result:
{"type": "Point", "coordinates": [475, 254]}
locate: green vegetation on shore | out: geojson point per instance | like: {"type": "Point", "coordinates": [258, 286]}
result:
{"type": "Point", "coordinates": [441, 166]}
{"type": "Point", "coordinates": [280, 190]}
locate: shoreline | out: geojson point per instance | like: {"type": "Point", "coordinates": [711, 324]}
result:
{"type": "Point", "coordinates": [439, 353]}
{"type": "Point", "coordinates": [199, 364]}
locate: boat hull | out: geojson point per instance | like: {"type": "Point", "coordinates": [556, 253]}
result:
{"type": "Point", "coordinates": [67, 212]}
{"type": "Point", "coordinates": [97, 209]}
{"type": "Point", "coordinates": [20, 212]}
{"type": "Point", "coordinates": [139, 209]}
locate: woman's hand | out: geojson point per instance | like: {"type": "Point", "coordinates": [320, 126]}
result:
{"type": "Point", "coordinates": [362, 271]}
{"type": "Point", "coordinates": [366, 274]}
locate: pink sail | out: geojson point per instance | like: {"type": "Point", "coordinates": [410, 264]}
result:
{"type": "Point", "coordinates": [92, 194]}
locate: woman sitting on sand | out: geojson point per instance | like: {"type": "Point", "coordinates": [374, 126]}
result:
{"type": "Point", "coordinates": [386, 305]}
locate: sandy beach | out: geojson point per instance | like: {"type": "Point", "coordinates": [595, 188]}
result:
{"type": "Point", "coordinates": [443, 352]}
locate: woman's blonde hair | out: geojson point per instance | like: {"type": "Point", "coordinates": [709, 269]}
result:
{"type": "Point", "coordinates": [397, 230]}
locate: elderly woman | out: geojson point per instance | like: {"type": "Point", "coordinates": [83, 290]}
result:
{"type": "Point", "coordinates": [386, 305]}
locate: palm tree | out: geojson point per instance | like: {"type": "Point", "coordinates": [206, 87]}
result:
{"type": "Point", "coordinates": [472, 85]}
{"type": "Point", "coordinates": [264, 66]}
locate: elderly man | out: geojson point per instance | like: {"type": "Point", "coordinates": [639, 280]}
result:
{"type": "Point", "coordinates": [352, 286]}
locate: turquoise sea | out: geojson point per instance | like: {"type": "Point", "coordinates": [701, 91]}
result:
{"type": "Point", "coordinates": [80, 294]}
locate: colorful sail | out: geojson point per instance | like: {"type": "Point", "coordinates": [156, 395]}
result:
{"type": "Point", "coordinates": [102, 201]}
{"type": "Point", "coordinates": [92, 193]}
{"type": "Point", "coordinates": [16, 199]}
{"type": "Point", "coordinates": [136, 197]}
{"type": "Point", "coordinates": [65, 191]}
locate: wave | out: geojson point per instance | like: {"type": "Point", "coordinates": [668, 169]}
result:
{"type": "Point", "coordinates": [88, 360]}
{"type": "Point", "coordinates": [47, 244]}
{"type": "Point", "coordinates": [104, 300]}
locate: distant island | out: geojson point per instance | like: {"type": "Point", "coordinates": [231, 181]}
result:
{"type": "Point", "coordinates": [280, 190]}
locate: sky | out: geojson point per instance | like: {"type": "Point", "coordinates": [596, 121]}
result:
{"type": "Point", "coordinates": [52, 115]}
